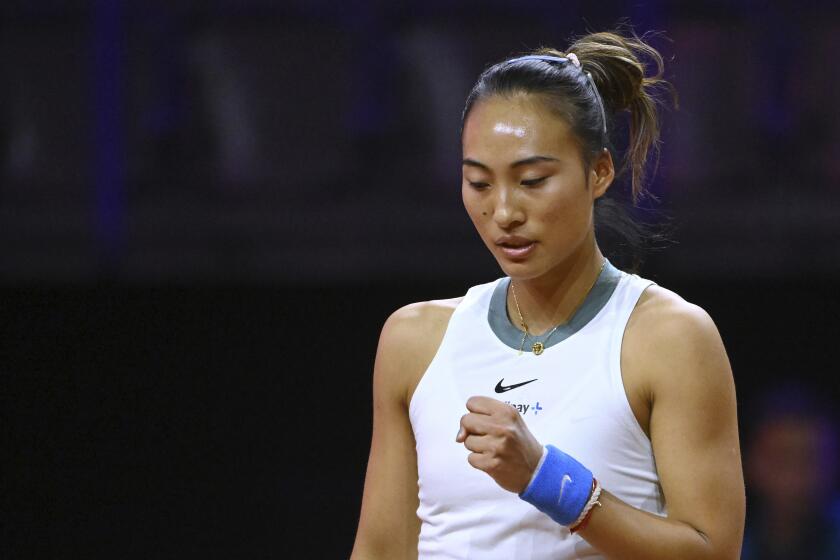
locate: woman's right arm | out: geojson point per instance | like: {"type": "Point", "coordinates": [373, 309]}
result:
{"type": "Point", "coordinates": [388, 525]}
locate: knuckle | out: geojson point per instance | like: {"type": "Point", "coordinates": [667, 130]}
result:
{"type": "Point", "coordinates": [506, 432]}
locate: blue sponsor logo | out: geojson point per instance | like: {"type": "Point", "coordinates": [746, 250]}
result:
{"type": "Point", "coordinates": [525, 408]}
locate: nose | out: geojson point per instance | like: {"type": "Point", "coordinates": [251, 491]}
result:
{"type": "Point", "coordinates": [507, 213]}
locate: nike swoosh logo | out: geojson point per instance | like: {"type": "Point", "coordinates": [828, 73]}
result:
{"type": "Point", "coordinates": [501, 388]}
{"type": "Point", "coordinates": [566, 480]}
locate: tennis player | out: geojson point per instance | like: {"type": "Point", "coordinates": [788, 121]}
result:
{"type": "Point", "coordinates": [569, 409]}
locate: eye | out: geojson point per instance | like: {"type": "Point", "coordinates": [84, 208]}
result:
{"type": "Point", "coordinates": [533, 182]}
{"type": "Point", "coordinates": [478, 185]}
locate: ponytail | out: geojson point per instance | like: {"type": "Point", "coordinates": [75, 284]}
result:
{"type": "Point", "coordinates": [618, 68]}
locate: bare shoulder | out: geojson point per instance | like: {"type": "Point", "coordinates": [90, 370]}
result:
{"type": "Point", "coordinates": [667, 336]}
{"type": "Point", "coordinates": [417, 327]}
{"type": "Point", "coordinates": [421, 315]}
{"type": "Point", "coordinates": [662, 312]}
{"type": "Point", "coordinates": [410, 339]}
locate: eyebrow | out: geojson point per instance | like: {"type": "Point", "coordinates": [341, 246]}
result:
{"type": "Point", "coordinates": [527, 161]}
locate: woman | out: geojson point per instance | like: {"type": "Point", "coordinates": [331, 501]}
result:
{"type": "Point", "coordinates": [570, 409]}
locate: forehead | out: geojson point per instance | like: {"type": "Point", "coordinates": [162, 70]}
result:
{"type": "Point", "coordinates": [516, 124]}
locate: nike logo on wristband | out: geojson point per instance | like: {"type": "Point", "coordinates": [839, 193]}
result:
{"type": "Point", "coordinates": [566, 480]}
{"type": "Point", "coordinates": [501, 388]}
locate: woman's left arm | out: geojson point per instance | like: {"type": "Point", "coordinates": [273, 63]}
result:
{"type": "Point", "coordinates": [673, 360]}
{"type": "Point", "coordinates": [675, 348]}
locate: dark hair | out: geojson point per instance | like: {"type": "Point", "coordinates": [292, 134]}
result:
{"type": "Point", "coordinates": [618, 67]}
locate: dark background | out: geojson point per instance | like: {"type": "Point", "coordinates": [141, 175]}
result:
{"type": "Point", "coordinates": [208, 209]}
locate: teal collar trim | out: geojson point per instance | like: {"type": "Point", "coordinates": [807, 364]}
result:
{"type": "Point", "coordinates": [595, 300]}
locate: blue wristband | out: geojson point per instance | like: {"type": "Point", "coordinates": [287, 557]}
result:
{"type": "Point", "coordinates": [560, 488]}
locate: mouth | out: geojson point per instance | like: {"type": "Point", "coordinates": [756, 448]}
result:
{"type": "Point", "coordinates": [516, 248]}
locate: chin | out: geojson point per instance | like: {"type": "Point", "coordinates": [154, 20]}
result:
{"type": "Point", "coordinates": [520, 269]}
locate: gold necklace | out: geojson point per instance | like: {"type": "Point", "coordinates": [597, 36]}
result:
{"type": "Point", "coordinates": [539, 346]}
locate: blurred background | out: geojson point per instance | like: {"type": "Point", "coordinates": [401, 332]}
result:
{"type": "Point", "coordinates": [208, 209]}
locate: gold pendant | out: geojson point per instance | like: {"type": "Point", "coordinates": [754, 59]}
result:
{"type": "Point", "coordinates": [538, 348]}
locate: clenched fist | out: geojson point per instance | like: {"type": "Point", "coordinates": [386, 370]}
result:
{"type": "Point", "coordinates": [501, 444]}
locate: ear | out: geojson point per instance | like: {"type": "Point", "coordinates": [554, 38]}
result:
{"type": "Point", "coordinates": [601, 173]}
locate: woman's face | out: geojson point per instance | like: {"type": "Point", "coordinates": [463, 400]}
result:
{"type": "Point", "coordinates": [525, 185]}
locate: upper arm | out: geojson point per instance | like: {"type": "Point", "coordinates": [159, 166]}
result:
{"type": "Point", "coordinates": [388, 525]}
{"type": "Point", "coordinates": [693, 420]}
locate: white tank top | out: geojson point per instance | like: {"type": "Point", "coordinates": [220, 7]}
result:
{"type": "Point", "coordinates": [577, 403]}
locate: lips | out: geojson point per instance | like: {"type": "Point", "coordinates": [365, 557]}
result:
{"type": "Point", "coordinates": [515, 247]}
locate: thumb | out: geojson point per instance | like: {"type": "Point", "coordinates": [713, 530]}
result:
{"type": "Point", "coordinates": [462, 435]}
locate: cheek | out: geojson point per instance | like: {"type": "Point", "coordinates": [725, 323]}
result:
{"type": "Point", "coordinates": [472, 204]}
{"type": "Point", "coordinates": [567, 216]}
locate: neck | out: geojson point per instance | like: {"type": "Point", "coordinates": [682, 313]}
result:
{"type": "Point", "coordinates": [553, 298]}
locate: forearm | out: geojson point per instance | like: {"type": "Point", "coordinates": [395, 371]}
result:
{"type": "Point", "coordinates": [620, 531]}
{"type": "Point", "coordinates": [388, 528]}
{"type": "Point", "coordinates": [392, 536]}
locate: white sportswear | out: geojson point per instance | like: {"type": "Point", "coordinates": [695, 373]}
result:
{"type": "Point", "coordinates": [577, 403]}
